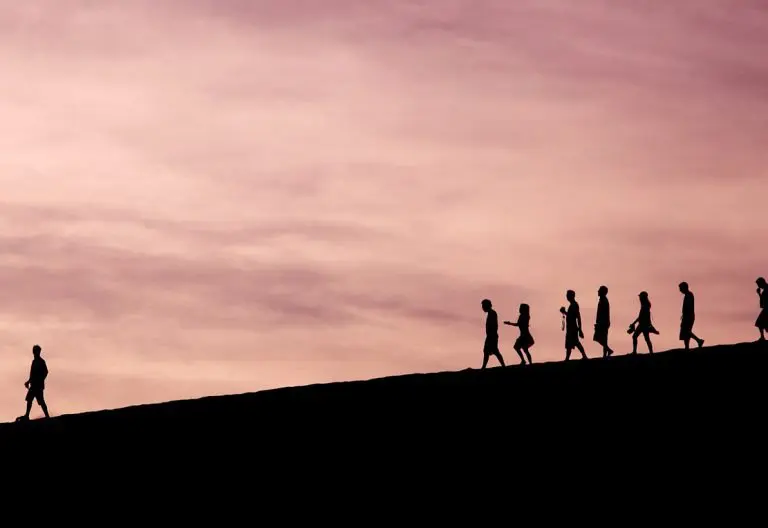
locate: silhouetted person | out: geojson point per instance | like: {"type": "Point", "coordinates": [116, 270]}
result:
{"type": "Point", "coordinates": [525, 340]}
{"type": "Point", "coordinates": [643, 324]}
{"type": "Point", "coordinates": [491, 347]}
{"type": "Point", "coordinates": [762, 320]}
{"type": "Point", "coordinates": [36, 383]}
{"type": "Point", "coordinates": [688, 318]}
{"type": "Point", "coordinates": [603, 320]}
{"type": "Point", "coordinates": [573, 329]}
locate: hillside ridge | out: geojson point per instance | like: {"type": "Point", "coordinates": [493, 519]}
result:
{"type": "Point", "coordinates": [410, 382]}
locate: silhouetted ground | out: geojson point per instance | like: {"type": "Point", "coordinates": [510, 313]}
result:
{"type": "Point", "coordinates": [701, 410]}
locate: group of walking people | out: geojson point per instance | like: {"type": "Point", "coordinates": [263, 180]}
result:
{"type": "Point", "coordinates": [574, 333]}
{"type": "Point", "coordinates": [572, 325]}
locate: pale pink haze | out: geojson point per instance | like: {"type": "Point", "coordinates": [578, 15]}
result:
{"type": "Point", "coordinates": [216, 196]}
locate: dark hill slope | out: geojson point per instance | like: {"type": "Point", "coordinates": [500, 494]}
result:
{"type": "Point", "coordinates": [669, 437]}
{"type": "Point", "coordinates": [674, 392]}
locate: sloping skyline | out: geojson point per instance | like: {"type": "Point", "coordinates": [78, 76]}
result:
{"type": "Point", "coordinates": [209, 197]}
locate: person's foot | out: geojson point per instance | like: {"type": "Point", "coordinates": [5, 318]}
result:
{"type": "Point", "coordinates": [22, 418]}
{"type": "Point", "coordinates": [701, 343]}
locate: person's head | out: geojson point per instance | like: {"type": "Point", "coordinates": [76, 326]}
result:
{"type": "Point", "coordinates": [644, 297]}
{"type": "Point", "coordinates": [570, 295]}
{"type": "Point", "coordinates": [761, 282]}
{"type": "Point", "coordinates": [36, 350]}
{"type": "Point", "coordinates": [486, 304]}
{"type": "Point", "coordinates": [525, 309]}
{"type": "Point", "coordinates": [683, 287]}
{"type": "Point", "coordinates": [602, 291]}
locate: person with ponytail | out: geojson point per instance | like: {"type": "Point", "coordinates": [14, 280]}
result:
{"type": "Point", "coordinates": [525, 341]}
{"type": "Point", "coordinates": [643, 324]}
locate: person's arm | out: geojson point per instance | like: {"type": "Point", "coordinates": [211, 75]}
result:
{"type": "Point", "coordinates": [510, 323]}
{"type": "Point", "coordinates": [578, 321]}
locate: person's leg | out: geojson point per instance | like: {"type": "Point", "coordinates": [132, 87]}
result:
{"type": "Point", "coordinates": [520, 353]}
{"type": "Point", "coordinates": [500, 358]}
{"type": "Point", "coordinates": [686, 334]}
{"type": "Point", "coordinates": [486, 356]}
{"type": "Point", "coordinates": [528, 355]}
{"type": "Point", "coordinates": [603, 341]}
{"type": "Point", "coordinates": [43, 405]}
{"type": "Point", "coordinates": [647, 337]}
{"type": "Point", "coordinates": [634, 341]}
{"type": "Point", "coordinates": [699, 342]}
{"type": "Point", "coordinates": [581, 349]}
{"type": "Point", "coordinates": [567, 353]}
{"type": "Point", "coordinates": [761, 325]}
{"type": "Point", "coordinates": [607, 350]}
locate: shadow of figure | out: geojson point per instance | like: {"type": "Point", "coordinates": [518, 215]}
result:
{"type": "Point", "coordinates": [491, 346]}
{"type": "Point", "coordinates": [603, 321]}
{"type": "Point", "coordinates": [688, 317]}
{"type": "Point", "coordinates": [573, 327]}
{"type": "Point", "coordinates": [762, 320]}
{"type": "Point", "coordinates": [643, 324]}
{"type": "Point", "coordinates": [525, 341]}
{"type": "Point", "coordinates": [35, 385]}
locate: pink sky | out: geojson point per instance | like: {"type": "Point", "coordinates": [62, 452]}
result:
{"type": "Point", "coordinates": [216, 196]}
